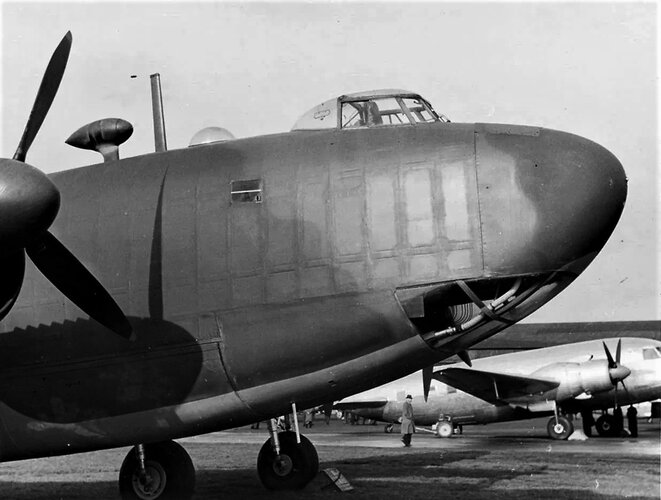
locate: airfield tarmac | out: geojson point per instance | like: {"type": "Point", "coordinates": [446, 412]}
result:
{"type": "Point", "coordinates": [510, 460]}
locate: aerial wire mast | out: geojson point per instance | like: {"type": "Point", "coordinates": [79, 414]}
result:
{"type": "Point", "coordinates": [160, 141]}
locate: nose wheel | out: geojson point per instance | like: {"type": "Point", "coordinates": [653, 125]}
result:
{"type": "Point", "coordinates": [291, 469]}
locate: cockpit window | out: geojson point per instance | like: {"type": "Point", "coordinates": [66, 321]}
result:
{"type": "Point", "coordinates": [652, 353]}
{"type": "Point", "coordinates": [361, 114]}
{"type": "Point", "coordinates": [419, 110]}
{"type": "Point", "coordinates": [386, 107]}
{"type": "Point", "coordinates": [386, 111]}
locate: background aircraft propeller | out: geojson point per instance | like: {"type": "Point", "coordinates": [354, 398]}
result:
{"type": "Point", "coordinates": [29, 202]}
{"type": "Point", "coordinates": [427, 374]}
{"type": "Point", "coordinates": [616, 371]}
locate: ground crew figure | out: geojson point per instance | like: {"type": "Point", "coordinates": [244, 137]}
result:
{"type": "Point", "coordinates": [328, 410]}
{"type": "Point", "coordinates": [619, 421]}
{"type": "Point", "coordinates": [632, 420]}
{"type": "Point", "coordinates": [408, 426]}
{"type": "Point", "coordinates": [308, 419]}
{"type": "Point", "coordinates": [588, 422]}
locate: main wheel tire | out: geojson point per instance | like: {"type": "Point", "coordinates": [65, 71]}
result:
{"type": "Point", "coordinates": [444, 429]}
{"type": "Point", "coordinates": [170, 474]}
{"type": "Point", "coordinates": [607, 426]}
{"type": "Point", "coordinates": [560, 429]}
{"type": "Point", "coordinates": [295, 467]}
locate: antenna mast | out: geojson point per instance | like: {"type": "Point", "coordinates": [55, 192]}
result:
{"type": "Point", "coordinates": [160, 142]}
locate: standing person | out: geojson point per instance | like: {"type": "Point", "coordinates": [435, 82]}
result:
{"type": "Point", "coordinates": [632, 420]}
{"type": "Point", "coordinates": [328, 410]}
{"type": "Point", "coordinates": [619, 421]}
{"type": "Point", "coordinates": [408, 426]}
{"type": "Point", "coordinates": [588, 422]}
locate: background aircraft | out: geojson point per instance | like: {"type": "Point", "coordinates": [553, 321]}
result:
{"type": "Point", "coordinates": [256, 275]}
{"type": "Point", "coordinates": [560, 380]}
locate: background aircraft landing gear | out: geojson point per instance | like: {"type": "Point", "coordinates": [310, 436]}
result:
{"type": "Point", "coordinates": [607, 426]}
{"type": "Point", "coordinates": [388, 428]}
{"type": "Point", "coordinates": [294, 467]}
{"type": "Point", "coordinates": [157, 471]}
{"type": "Point", "coordinates": [559, 427]}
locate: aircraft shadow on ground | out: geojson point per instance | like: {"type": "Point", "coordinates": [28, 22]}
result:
{"type": "Point", "coordinates": [410, 475]}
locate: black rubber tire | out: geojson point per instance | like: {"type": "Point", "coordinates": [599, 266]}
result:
{"type": "Point", "coordinates": [302, 460]}
{"type": "Point", "coordinates": [607, 426]}
{"type": "Point", "coordinates": [561, 429]}
{"type": "Point", "coordinates": [173, 467]}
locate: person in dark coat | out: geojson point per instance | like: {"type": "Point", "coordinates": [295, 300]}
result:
{"type": "Point", "coordinates": [632, 420]}
{"type": "Point", "coordinates": [408, 426]}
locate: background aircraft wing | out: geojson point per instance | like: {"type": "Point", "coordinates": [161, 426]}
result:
{"type": "Point", "coordinates": [496, 388]}
{"type": "Point", "coordinates": [354, 405]}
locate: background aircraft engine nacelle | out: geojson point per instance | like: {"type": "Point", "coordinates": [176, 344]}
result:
{"type": "Point", "coordinates": [577, 378]}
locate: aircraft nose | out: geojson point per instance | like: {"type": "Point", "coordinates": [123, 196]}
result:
{"type": "Point", "coordinates": [548, 199]}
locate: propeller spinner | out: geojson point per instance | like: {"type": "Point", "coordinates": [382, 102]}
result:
{"type": "Point", "coordinates": [29, 203]}
{"type": "Point", "coordinates": [616, 371]}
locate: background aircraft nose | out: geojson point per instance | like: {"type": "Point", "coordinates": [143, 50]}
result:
{"type": "Point", "coordinates": [547, 198]}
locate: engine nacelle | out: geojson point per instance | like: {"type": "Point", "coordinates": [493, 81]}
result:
{"type": "Point", "coordinates": [575, 379]}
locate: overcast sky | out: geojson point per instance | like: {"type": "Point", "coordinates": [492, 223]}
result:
{"type": "Point", "coordinates": [253, 68]}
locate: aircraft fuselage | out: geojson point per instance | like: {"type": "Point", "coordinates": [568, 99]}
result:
{"type": "Point", "coordinates": [241, 307]}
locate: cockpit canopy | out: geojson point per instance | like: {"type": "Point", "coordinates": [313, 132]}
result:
{"type": "Point", "coordinates": [369, 109]}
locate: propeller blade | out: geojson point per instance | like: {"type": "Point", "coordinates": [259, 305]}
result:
{"type": "Point", "coordinates": [611, 361]}
{"type": "Point", "coordinates": [73, 279]}
{"type": "Point", "coordinates": [618, 351]}
{"type": "Point", "coordinates": [427, 373]}
{"type": "Point", "coordinates": [47, 90]}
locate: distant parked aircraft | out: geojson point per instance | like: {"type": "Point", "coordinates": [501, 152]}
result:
{"type": "Point", "coordinates": [558, 381]}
